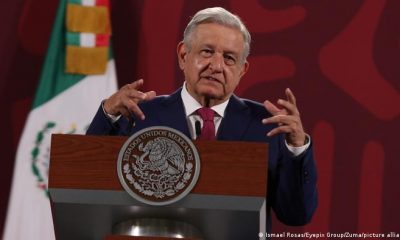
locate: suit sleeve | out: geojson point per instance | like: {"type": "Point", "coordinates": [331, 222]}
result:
{"type": "Point", "coordinates": [293, 191]}
{"type": "Point", "coordinates": [101, 125]}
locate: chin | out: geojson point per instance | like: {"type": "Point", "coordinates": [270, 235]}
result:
{"type": "Point", "coordinates": [211, 93]}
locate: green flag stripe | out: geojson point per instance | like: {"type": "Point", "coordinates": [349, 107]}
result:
{"type": "Point", "coordinates": [75, 2]}
{"type": "Point", "coordinates": [53, 79]}
{"type": "Point", "coordinates": [73, 39]}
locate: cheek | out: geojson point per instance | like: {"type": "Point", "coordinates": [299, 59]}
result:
{"type": "Point", "coordinates": [199, 64]}
{"type": "Point", "coordinates": [233, 78]}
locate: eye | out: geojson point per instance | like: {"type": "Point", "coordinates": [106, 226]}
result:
{"type": "Point", "coordinates": [206, 52]}
{"type": "Point", "coordinates": [229, 60]}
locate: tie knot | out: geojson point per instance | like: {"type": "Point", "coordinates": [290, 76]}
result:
{"type": "Point", "coordinates": [207, 114]}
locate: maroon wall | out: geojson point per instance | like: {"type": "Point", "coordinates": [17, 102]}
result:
{"type": "Point", "coordinates": [341, 59]}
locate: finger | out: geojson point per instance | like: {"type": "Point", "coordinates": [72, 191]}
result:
{"type": "Point", "coordinates": [290, 96]}
{"type": "Point", "coordinates": [132, 106]}
{"type": "Point", "coordinates": [274, 110]}
{"type": "Point", "coordinates": [136, 84]}
{"type": "Point", "coordinates": [132, 89]}
{"type": "Point", "coordinates": [278, 130]}
{"type": "Point", "coordinates": [124, 112]}
{"type": "Point", "coordinates": [150, 95]}
{"type": "Point", "coordinates": [119, 100]}
{"type": "Point", "coordinates": [135, 95]}
{"type": "Point", "coordinates": [280, 119]}
{"type": "Point", "coordinates": [138, 96]}
{"type": "Point", "coordinates": [290, 107]}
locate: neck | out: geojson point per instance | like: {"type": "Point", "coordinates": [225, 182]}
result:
{"type": "Point", "coordinates": [207, 101]}
{"type": "Point", "coordinates": [204, 100]}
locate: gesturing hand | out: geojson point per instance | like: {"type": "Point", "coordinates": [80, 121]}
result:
{"type": "Point", "coordinates": [288, 119]}
{"type": "Point", "coordinates": [126, 100]}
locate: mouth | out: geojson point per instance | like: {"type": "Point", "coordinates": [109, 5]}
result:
{"type": "Point", "coordinates": [213, 79]}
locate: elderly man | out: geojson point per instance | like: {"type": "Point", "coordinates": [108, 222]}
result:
{"type": "Point", "coordinates": [213, 57]}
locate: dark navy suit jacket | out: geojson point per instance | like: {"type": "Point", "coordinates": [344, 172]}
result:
{"type": "Point", "coordinates": [292, 180]}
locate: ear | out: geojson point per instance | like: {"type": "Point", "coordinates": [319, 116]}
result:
{"type": "Point", "coordinates": [245, 68]}
{"type": "Point", "coordinates": [181, 50]}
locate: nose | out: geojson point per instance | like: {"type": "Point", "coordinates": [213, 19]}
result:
{"type": "Point", "coordinates": [216, 63]}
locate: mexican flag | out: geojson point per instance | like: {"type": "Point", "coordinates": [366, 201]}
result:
{"type": "Point", "coordinates": [78, 73]}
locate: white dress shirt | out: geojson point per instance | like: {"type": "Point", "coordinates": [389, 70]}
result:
{"type": "Point", "coordinates": [191, 105]}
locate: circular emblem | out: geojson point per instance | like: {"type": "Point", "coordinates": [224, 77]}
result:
{"type": "Point", "coordinates": [158, 165]}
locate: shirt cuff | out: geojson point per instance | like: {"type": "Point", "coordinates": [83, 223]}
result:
{"type": "Point", "coordinates": [296, 151]}
{"type": "Point", "coordinates": [111, 117]}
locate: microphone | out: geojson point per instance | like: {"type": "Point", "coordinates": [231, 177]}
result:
{"type": "Point", "coordinates": [197, 127]}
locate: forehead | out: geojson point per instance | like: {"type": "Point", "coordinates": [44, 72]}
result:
{"type": "Point", "coordinates": [217, 35]}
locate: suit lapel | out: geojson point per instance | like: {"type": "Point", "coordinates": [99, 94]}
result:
{"type": "Point", "coordinates": [233, 126]}
{"type": "Point", "coordinates": [236, 120]}
{"type": "Point", "coordinates": [172, 113]}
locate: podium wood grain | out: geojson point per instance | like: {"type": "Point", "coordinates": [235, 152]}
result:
{"type": "Point", "coordinates": [227, 168]}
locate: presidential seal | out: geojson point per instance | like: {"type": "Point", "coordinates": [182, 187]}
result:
{"type": "Point", "coordinates": [158, 165]}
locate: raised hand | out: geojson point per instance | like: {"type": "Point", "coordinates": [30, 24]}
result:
{"type": "Point", "coordinates": [287, 117]}
{"type": "Point", "coordinates": [126, 100]}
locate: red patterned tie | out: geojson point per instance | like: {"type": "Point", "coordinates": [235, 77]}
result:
{"type": "Point", "coordinates": [208, 130]}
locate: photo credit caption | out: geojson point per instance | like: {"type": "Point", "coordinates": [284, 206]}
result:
{"type": "Point", "coordinates": [334, 235]}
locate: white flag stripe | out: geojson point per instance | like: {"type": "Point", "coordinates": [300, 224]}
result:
{"type": "Point", "coordinates": [29, 214]}
{"type": "Point", "coordinates": [88, 2]}
{"type": "Point", "coordinates": [87, 39]}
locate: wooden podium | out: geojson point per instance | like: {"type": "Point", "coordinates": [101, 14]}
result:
{"type": "Point", "coordinates": [228, 201]}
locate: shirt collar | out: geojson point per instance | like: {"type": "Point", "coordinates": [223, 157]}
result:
{"type": "Point", "coordinates": [191, 105]}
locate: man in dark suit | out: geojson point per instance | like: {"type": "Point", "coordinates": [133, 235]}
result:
{"type": "Point", "coordinates": [213, 57]}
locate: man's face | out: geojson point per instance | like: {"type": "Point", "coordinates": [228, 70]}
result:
{"type": "Point", "coordinates": [214, 64]}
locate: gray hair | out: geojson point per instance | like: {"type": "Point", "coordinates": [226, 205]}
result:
{"type": "Point", "coordinates": [220, 16]}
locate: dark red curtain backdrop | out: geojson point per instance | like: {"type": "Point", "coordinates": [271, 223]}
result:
{"type": "Point", "coordinates": [341, 59]}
